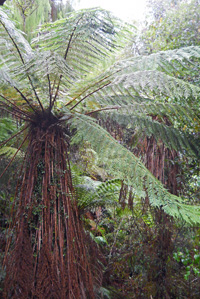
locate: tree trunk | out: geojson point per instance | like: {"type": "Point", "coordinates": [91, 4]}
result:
{"type": "Point", "coordinates": [157, 160]}
{"type": "Point", "coordinates": [49, 259]}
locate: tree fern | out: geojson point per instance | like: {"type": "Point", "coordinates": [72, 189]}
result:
{"type": "Point", "coordinates": [58, 87]}
{"type": "Point", "coordinates": [121, 84]}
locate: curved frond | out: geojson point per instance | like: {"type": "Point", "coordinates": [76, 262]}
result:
{"type": "Point", "coordinates": [83, 38]}
{"type": "Point", "coordinates": [93, 194]}
{"type": "Point", "coordinates": [155, 83]}
{"type": "Point", "coordinates": [167, 61]}
{"type": "Point", "coordinates": [45, 68]}
{"type": "Point", "coordinates": [139, 116]}
{"type": "Point", "coordinates": [5, 78]}
{"type": "Point", "coordinates": [48, 63]}
{"type": "Point", "coordinates": [125, 166]}
{"type": "Point", "coordinates": [14, 48]}
{"type": "Point", "coordinates": [124, 86]}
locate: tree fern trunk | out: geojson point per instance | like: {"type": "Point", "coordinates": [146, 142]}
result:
{"type": "Point", "coordinates": [49, 259]}
{"type": "Point", "coordinates": [157, 160]}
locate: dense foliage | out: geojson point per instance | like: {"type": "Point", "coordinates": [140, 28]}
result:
{"type": "Point", "coordinates": [173, 28]}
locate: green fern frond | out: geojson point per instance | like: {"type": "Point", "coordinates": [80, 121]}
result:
{"type": "Point", "coordinates": [92, 194]}
{"type": "Point", "coordinates": [48, 63]}
{"type": "Point", "coordinates": [172, 137]}
{"type": "Point", "coordinates": [45, 68]}
{"type": "Point", "coordinates": [167, 61]}
{"type": "Point", "coordinates": [125, 166]}
{"type": "Point", "coordinates": [123, 86]}
{"type": "Point", "coordinates": [7, 127]}
{"type": "Point", "coordinates": [12, 41]}
{"type": "Point", "coordinates": [150, 107]}
{"type": "Point", "coordinates": [9, 152]}
{"type": "Point", "coordinates": [5, 78]}
{"type": "Point", "coordinates": [155, 83]}
{"type": "Point", "coordinates": [21, 95]}
{"type": "Point", "coordinates": [83, 38]}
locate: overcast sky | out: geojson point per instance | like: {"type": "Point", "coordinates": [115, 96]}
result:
{"type": "Point", "coordinates": [125, 9]}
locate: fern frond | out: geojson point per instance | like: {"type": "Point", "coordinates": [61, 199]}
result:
{"type": "Point", "coordinates": [124, 86]}
{"type": "Point", "coordinates": [144, 106]}
{"type": "Point", "coordinates": [48, 63]}
{"type": "Point", "coordinates": [45, 68]}
{"type": "Point", "coordinates": [14, 48]}
{"type": "Point", "coordinates": [83, 38]}
{"type": "Point", "coordinates": [92, 194]}
{"type": "Point", "coordinates": [155, 83]}
{"type": "Point", "coordinates": [125, 166]}
{"type": "Point", "coordinates": [172, 137]}
{"type": "Point", "coordinates": [8, 152]}
{"type": "Point", "coordinates": [22, 96]}
{"type": "Point", "coordinates": [18, 52]}
{"type": "Point", "coordinates": [5, 78]}
{"type": "Point", "coordinates": [7, 127]}
{"type": "Point", "coordinates": [167, 61]}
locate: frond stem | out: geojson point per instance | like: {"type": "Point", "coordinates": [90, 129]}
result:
{"type": "Point", "coordinates": [13, 136]}
{"type": "Point", "coordinates": [50, 93]}
{"type": "Point", "coordinates": [16, 114]}
{"type": "Point", "coordinates": [70, 39]}
{"type": "Point", "coordinates": [74, 98]}
{"type": "Point", "coordinates": [65, 57]}
{"type": "Point", "coordinates": [27, 101]}
{"type": "Point", "coordinates": [89, 94]}
{"type": "Point", "coordinates": [16, 107]}
{"type": "Point", "coordinates": [22, 59]}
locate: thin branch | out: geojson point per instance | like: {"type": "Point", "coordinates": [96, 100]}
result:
{"type": "Point", "coordinates": [57, 90]}
{"type": "Point", "coordinates": [115, 239]}
{"type": "Point", "coordinates": [89, 95]}
{"type": "Point", "coordinates": [71, 36]}
{"type": "Point", "coordinates": [34, 90]}
{"type": "Point", "coordinates": [18, 133]}
{"type": "Point", "coordinates": [13, 42]}
{"type": "Point", "coordinates": [14, 156]}
{"type": "Point", "coordinates": [22, 59]}
{"type": "Point", "coordinates": [94, 84]}
{"type": "Point", "coordinates": [54, 83]}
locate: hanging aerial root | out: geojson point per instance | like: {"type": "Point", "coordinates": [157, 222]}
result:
{"type": "Point", "coordinates": [47, 282]}
{"type": "Point", "coordinates": [19, 268]}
